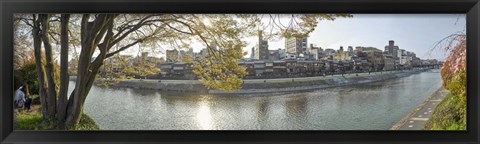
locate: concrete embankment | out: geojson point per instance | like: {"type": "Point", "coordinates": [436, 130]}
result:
{"type": "Point", "coordinates": [312, 83]}
{"type": "Point", "coordinates": [253, 86]}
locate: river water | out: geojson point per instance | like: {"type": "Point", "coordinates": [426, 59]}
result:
{"type": "Point", "coordinates": [373, 106]}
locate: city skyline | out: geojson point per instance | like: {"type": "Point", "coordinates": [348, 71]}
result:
{"type": "Point", "coordinates": [413, 32]}
{"type": "Point", "coordinates": [324, 36]}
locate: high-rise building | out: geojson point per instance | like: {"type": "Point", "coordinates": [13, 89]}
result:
{"type": "Point", "coordinates": [282, 53]}
{"type": "Point", "coordinates": [296, 46]}
{"type": "Point", "coordinates": [315, 52]}
{"type": "Point", "coordinates": [191, 53]}
{"type": "Point", "coordinates": [261, 50]}
{"type": "Point", "coordinates": [252, 53]}
{"type": "Point", "coordinates": [341, 49]}
{"type": "Point", "coordinates": [350, 49]}
{"type": "Point", "coordinates": [392, 49]}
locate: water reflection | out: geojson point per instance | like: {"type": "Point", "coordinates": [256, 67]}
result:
{"type": "Point", "coordinates": [262, 110]}
{"type": "Point", "coordinates": [204, 117]}
{"type": "Point", "coordinates": [297, 111]}
{"type": "Point", "coordinates": [360, 107]}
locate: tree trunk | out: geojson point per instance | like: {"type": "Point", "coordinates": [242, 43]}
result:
{"type": "Point", "coordinates": [51, 90]}
{"type": "Point", "coordinates": [37, 44]}
{"type": "Point", "coordinates": [64, 78]}
{"type": "Point", "coordinates": [91, 34]}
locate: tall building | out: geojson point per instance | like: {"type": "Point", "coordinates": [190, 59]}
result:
{"type": "Point", "coordinates": [261, 50]}
{"type": "Point", "coordinates": [252, 53]}
{"type": "Point", "coordinates": [350, 49]}
{"type": "Point", "coordinates": [315, 52]}
{"type": "Point", "coordinates": [392, 49]}
{"type": "Point", "coordinates": [282, 53]}
{"type": "Point", "coordinates": [296, 46]}
{"type": "Point", "coordinates": [191, 53]}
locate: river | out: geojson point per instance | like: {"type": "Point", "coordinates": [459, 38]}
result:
{"type": "Point", "coordinates": [372, 106]}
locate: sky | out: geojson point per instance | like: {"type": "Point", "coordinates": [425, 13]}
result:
{"type": "Point", "coordinates": [413, 32]}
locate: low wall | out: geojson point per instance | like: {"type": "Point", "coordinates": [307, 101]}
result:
{"type": "Point", "coordinates": [268, 85]}
{"type": "Point", "coordinates": [188, 85]}
{"type": "Point", "coordinates": [316, 83]}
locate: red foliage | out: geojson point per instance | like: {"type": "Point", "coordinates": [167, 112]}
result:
{"type": "Point", "coordinates": [456, 61]}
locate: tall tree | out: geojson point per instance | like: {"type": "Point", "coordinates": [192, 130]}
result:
{"type": "Point", "coordinates": [37, 44]}
{"type": "Point", "coordinates": [98, 33]}
{"type": "Point", "coordinates": [51, 88]}
{"type": "Point", "coordinates": [62, 99]}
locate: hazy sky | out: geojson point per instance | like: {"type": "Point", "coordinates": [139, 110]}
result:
{"type": "Point", "coordinates": [413, 32]}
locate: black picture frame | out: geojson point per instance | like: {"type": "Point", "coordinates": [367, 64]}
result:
{"type": "Point", "coordinates": [9, 7]}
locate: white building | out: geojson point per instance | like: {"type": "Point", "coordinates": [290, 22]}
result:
{"type": "Point", "coordinates": [296, 45]}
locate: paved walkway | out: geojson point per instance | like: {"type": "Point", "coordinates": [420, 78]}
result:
{"type": "Point", "coordinates": [416, 120]}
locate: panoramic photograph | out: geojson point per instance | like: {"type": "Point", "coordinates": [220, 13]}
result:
{"type": "Point", "coordinates": [165, 71]}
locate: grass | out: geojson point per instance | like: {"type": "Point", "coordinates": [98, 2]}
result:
{"type": "Point", "coordinates": [34, 121]}
{"type": "Point", "coordinates": [86, 123]}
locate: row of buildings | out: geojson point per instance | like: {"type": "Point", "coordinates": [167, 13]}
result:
{"type": "Point", "coordinates": [297, 59]}
{"type": "Point", "coordinates": [286, 68]}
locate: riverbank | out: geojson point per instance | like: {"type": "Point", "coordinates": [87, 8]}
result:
{"type": "Point", "coordinates": [256, 86]}
{"type": "Point", "coordinates": [418, 117]}
{"type": "Point", "coordinates": [451, 113]}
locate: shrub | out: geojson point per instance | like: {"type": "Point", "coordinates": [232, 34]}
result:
{"type": "Point", "coordinates": [450, 114]}
{"type": "Point", "coordinates": [27, 73]}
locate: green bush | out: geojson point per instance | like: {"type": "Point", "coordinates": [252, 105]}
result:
{"type": "Point", "coordinates": [27, 73]}
{"type": "Point", "coordinates": [450, 114]}
{"type": "Point", "coordinates": [458, 85]}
